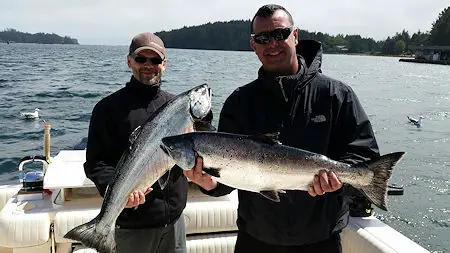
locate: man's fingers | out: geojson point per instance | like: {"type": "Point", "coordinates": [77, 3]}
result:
{"type": "Point", "coordinates": [334, 181]}
{"type": "Point", "coordinates": [188, 173]}
{"type": "Point", "coordinates": [136, 198]}
{"type": "Point", "coordinates": [195, 173]}
{"type": "Point", "coordinates": [317, 188]}
{"type": "Point", "coordinates": [149, 189]}
{"type": "Point", "coordinates": [311, 191]}
{"type": "Point", "coordinates": [324, 181]}
{"type": "Point", "coordinates": [141, 198]}
{"type": "Point", "coordinates": [130, 201]}
{"type": "Point", "coordinates": [198, 168]}
{"type": "Point", "coordinates": [199, 177]}
{"type": "Point", "coordinates": [131, 198]}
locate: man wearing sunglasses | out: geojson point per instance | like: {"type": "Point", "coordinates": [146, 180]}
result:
{"type": "Point", "coordinates": [310, 111]}
{"type": "Point", "coordinates": [149, 223]}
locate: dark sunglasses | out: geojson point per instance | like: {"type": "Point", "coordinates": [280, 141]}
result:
{"type": "Point", "coordinates": [153, 60]}
{"type": "Point", "coordinates": [278, 34]}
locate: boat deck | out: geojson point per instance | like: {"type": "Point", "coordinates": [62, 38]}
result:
{"type": "Point", "coordinates": [39, 225]}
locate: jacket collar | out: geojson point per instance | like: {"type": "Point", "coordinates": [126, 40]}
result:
{"type": "Point", "coordinates": [309, 55]}
{"type": "Point", "coordinates": [138, 87]}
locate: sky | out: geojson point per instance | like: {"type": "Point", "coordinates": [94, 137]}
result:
{"type": "Point", "coordinates": [113, 22]}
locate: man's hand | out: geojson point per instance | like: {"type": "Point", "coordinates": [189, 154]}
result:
{"type": "Point", "coordinates": [137, 198]}
{"type": "Point", "coordinates": [199, 177]}
{"type": "Point", "coordinates": [324, 181]}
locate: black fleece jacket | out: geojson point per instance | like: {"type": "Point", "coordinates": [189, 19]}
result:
{"type": "Point", "coordinates": [113, 120]}
{"type": "Point", "coordinates": [312, 112]}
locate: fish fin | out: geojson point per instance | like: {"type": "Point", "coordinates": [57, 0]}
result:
{"type": "Point", "coordinates": [272, 195]}
{"type": "Point", "coordinates": [215, 172]}
{"type": "Point", "coordinates": [382, 168]}
{"type": "Point", "coordinates": [162, 181]}
{"type": "Point", "coordinates": [269, 138]}
{"type": "Point", "coordinates": [89, 235]}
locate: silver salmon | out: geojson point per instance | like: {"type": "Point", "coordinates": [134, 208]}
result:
{"type": "Point", "coordinates": [263, 165]}
{"type": "Point", "coordinates": [142, 164]}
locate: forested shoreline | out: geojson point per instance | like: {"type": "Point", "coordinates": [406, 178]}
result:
{"type": "Point", "coordinates": [235, 35]}
{"type": "Point", "coordinates": [10, 35]}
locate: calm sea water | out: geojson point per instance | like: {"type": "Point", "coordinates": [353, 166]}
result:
{"type": "Point", "coordinates": [65, 81]}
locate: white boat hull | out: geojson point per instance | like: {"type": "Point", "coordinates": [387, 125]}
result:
{"type": "Point", "coordinates": [210, 222]}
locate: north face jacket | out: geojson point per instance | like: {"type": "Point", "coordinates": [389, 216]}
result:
{"type": "Point", "coordinates": [313, 112]}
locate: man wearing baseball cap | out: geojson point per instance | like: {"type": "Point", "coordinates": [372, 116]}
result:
{"type": "Point", "coordinates": [148, 222]}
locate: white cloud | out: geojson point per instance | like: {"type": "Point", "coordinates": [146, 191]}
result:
{"type": "Point", "coordinates": [115, 22]}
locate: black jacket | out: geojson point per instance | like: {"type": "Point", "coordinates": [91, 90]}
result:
{"type": "Point", "coordinates": [112, 121]}
{"type": "Point", "coordinates": [312, 112]}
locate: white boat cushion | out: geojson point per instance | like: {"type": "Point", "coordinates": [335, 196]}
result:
{"type": "Point", "coordinates": [67, 220]}
{"type": "Point", "coordinates": [212, 243]}
{"type": "Point", "coordinates": [6, 192]}
{"type": "Point", "coordinates": [205, 214]}
{"type": "Point", "coordinates": [82, 249]}
{"type": "Point", "coordinates": [22, 228]}
{"type": "Point", "coordinates": [370, 235]}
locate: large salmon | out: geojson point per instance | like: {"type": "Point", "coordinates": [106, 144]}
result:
{"type": "Point", "coordinates": [261, 164]}
{"type": "Point", "coordinates": [142, 164]}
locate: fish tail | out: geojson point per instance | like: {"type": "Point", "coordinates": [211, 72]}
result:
{"type": "Point", "coordinates": [89, 235]}
{"type": "Point", "coordinates": [382, 168]}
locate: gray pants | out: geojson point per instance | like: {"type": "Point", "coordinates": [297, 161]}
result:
{"type": "Point", "coordinates": [170, 239]}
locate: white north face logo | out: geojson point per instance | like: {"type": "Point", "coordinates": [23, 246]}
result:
{"type": "Point", "coordinates": [319, 119]}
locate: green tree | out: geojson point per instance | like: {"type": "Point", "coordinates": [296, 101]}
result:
{"type": "Point", "coordinates": [440, 33]}
{"type": "Point", "coordinates": [419, 38]}
{"type": "Point", "coordinates": [388, 46]}
{"type": "Point", "coordinates": [400, 47]}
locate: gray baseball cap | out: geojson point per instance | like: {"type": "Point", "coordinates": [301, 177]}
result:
{"type": "Point", "coordinates": [147, 41]}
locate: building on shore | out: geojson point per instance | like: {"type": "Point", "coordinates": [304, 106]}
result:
{"type": "Point", "coordinates": [430, 54]}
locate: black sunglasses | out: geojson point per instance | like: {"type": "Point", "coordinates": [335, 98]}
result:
{"type": "Point", "coordinates": [278, 34]}
{"type": "Point", "coordinates": [153, 60]}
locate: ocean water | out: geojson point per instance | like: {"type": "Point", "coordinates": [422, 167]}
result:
{"type": "Point", "coordinates": [65, 81]}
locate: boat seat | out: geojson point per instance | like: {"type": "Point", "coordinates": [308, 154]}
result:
{"type": "Point", "coordinates": [212, 243]}
{"type": "Point", "coordinates": [81, 249]}
{"type": "Point", "coordinates": [25, 224]}
{"type": "Point", "coordinates": [370, 235]}
{"type": "Point", "coordinates": [215, 243]}
{"type": "Point", "coordinates": [6, 192]}
{"type": "Point", "coordinates": [67, 220]}
{"type": "Point", "coordinates": [205, 214]}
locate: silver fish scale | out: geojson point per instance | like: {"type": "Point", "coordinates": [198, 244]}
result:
{"type": "Point", "coordinates": [264, 166]}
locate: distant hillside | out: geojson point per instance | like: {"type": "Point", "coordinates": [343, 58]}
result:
{"type": "Point", "coordinates": [235, 35]}
{"type": "Point", "coordinates": [12, 35]}
{"type": "Point", "coordinates": [232, 35]}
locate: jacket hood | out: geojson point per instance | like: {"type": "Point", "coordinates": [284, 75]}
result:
{"type": "Point", "coordinates": [287, 88]}
{"type": "Point", "coordinates": [309, 54]}
{"type": "Point", "coordinates": [311, 51]}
